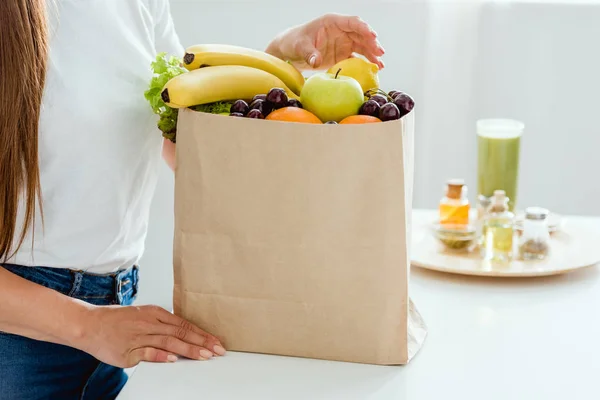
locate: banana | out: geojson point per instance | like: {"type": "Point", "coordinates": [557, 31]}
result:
{"type": "Point", "coordinates": [222, 83]}
{"type": "Point", "coordinates": [211, 55]}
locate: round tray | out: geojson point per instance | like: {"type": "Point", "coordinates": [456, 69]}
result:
{"type": "Point", "coordinates": [576, 245]}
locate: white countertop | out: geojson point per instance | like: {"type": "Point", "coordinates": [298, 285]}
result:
{"type": "Point", "coordinates": [489, 338]}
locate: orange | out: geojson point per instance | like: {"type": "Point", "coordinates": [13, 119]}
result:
{"type": "Point", "coordinates": [360, 119]}
{"type": "Point", "coordinates": [293, 114]}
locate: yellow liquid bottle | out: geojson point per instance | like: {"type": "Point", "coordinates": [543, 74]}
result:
{"type": "Point", "coordinates": [498, 230]}
{"type": "Point", "coordinates": [454, 207]}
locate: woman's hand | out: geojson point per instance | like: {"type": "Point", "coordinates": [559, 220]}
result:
{"type": "Point", "coordinates": [321, 43]}
{"type": "Point", "coordinates": [124, 336]}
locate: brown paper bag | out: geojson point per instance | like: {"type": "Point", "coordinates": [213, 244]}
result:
{"type": "Point", "coordinates": [293, 239]}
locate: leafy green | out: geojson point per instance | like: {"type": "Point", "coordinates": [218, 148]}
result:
{"type": "Point", "coordinates": [164, 68]}
{"type": "Point", "coordinates": [220, 107]}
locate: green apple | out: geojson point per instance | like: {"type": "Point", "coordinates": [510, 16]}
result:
{"type": "Point", "coordinates": [332, 97]}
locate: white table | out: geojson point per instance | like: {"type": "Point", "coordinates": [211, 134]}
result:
{"type": "Point", "coordinates": [489, 338]}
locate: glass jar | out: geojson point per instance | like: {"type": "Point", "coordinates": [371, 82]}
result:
{"type": "Point", "coordinates": [483, 206]}
{"type": "Point", "coordinates": [534, 243]}
{"type": "Point", "coordinates": [498, 230]}
{"type": "Point", "coordinates": [454, 207]}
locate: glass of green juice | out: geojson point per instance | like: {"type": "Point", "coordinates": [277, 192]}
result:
{"type": "Point", "coordinates": [498, 151]}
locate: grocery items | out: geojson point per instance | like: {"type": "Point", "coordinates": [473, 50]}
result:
{"type": "Point", "coordinates": [389, 112]}
{"type": "Point", "coordinates": [390, 106]}
{"type": "Point", "coordinates": [332, 97]}
{"type": "Point", "coordinates": [404, 102]}
{"type": "Point", "coordinates": [255, 114]}
{"type": "Point", "coordinates": [370, 107]}
{"type": "Point", "coordinates": [499, 144]}
{"type": "Point", "coordinates": [365, 72]}
{"type": "Point", "coordinates": [211, 55]}
{"type": "Point", "coordinates": [498, 230]}
{"type": "Point", "coordinates": [277, 98]}
{"type": "Point", "coordinates": [379, 99]}
{"type": "Point", "coordinates": [294, 103]}
{"type": "Point", "coordinates": [228, 82]}
{"type": "Point", "coordinates": [454, 207]}
{"type": "Point", "coordinates": [241, 82]}
{"type": "Point", "coordinates": [165, 68]}
{"type": "Point", "coordinates": [359, 119]}
{"type": "Point", "coordinates": [534, 243]}
{"type": "Point", "coordinates": [261, 105]}
{"type": "Point", "coordinates": [293, 114]}
{"type": "Point", "coordinates": [240, 107]}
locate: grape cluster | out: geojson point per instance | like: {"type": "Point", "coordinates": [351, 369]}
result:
{"type": "Point", "coordinates": [262, 104]}
{"type": "Point", "coordinates": [387, 107]}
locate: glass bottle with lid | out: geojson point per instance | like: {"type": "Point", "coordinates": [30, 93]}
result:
{"type": "Point", "coordinates": [454, 207]}
{"type": "Point", "coordinates": [498, 229]}
{"type": "Point", "coordinates": [534, 243]}
{"type": "Point", "coordinates": [483, 207]}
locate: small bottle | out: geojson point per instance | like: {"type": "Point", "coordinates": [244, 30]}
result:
{"type": "Point", "coordinates": [498, 229]}
{"type": "Point", "coordinates": [534, 243]}
{"type": "Point", "coordinates": [483, 206]}
{"type": "Point", "coordinates": [454, 206]}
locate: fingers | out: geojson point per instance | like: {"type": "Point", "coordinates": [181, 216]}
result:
{"type": "Point", "coordinates": [369, 55]}
{"type": "Point", "coordinates": [307, 50]}
{"type": "Point", "coordinates": [150, 354]}
{"type": "Point", "coordinates": [372, 46]}
{"type": "Point", "coordinates": [184, 330]}
{"type": "Point", "coordinates": [172, 345]}
{"type": "Point", "coordinates": [189, 336]}
{"type": "Point", "coordinates": [362, 35]}
{"type": "Point", "coordinates": [351, 24]}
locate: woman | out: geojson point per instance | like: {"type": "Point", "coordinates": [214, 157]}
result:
{"type": "Point", "coordinates": [79, 154]}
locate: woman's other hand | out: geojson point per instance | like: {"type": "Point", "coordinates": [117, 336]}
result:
{"type": "Point", "coordinates": [124, 336]}
{"type": "Point", "coordinates": [321, 43]}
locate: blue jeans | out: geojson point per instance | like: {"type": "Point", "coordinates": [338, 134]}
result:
{"type": "Point", "coordinates": [32, 370]}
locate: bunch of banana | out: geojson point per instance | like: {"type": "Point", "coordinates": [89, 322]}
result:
{"type": "Point", "coordinates": [210, 55]}
{"type": "Point", "coordinates": [220, 83]}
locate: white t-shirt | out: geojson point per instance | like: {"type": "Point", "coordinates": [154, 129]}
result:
{"type": "Point", "coordinates": [99, 145]}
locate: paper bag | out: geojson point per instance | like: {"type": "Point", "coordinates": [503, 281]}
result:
{"type": "Point", "coordinates": [293, 239]}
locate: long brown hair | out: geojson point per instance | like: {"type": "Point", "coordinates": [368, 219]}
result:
{"type": "Point", "coordinates": [23, 59]}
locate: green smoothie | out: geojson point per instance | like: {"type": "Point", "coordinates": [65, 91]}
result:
{"type": "Point", "coordinates": [499, 143]}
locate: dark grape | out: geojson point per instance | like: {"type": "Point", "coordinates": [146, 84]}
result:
{"type": "Point", "coordinates": [370, 107]}
{"type": "Point", "coordinates": [405, 103]}
{"type": "Point", "coordinates": [389, 112]}
{"type": "Point", "coordinates": [261, 105]}
{"type": "Point", "coordinates": [255, 114]}
{"type": "Point", "coordinates": [393, 93]}
{"type": "Point", "coordinates": [240, 106]}
{"type": "Point", "coordinates": [277, 97]}
{"type": "Point", "coordinates": [260, 97]}
{"type": "Point", "coordinates": [331, 123]}
{"type": "Point", "coordinates": [398, 93]}
{"type": "Point", "coordinates": [380, 99]}
{"type": "Point", "coordinates": [294, 103]}
{"type": "Point", "coordinates": [236, 114]}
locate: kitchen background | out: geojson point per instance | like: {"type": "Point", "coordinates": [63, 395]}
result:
{"type": "Point", "coordinates": [532, 60]}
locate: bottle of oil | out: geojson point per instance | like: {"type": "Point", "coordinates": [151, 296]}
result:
{"type": "Point", "coordinates": [454, 206]}
{"type": "Point", "coordinates": [498, 229]}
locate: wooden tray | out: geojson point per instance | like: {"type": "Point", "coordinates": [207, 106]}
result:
{"type": "Point", "coordinates": [575, 246]}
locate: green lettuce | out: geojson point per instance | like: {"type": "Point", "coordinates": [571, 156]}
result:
{"type": "Point", "coordinates": [164, 68]}
{"type": "Point", "coordinates": [220, 107]}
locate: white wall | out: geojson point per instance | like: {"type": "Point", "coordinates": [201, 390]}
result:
{"type": "Point", "coordinates": [533, 61]}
